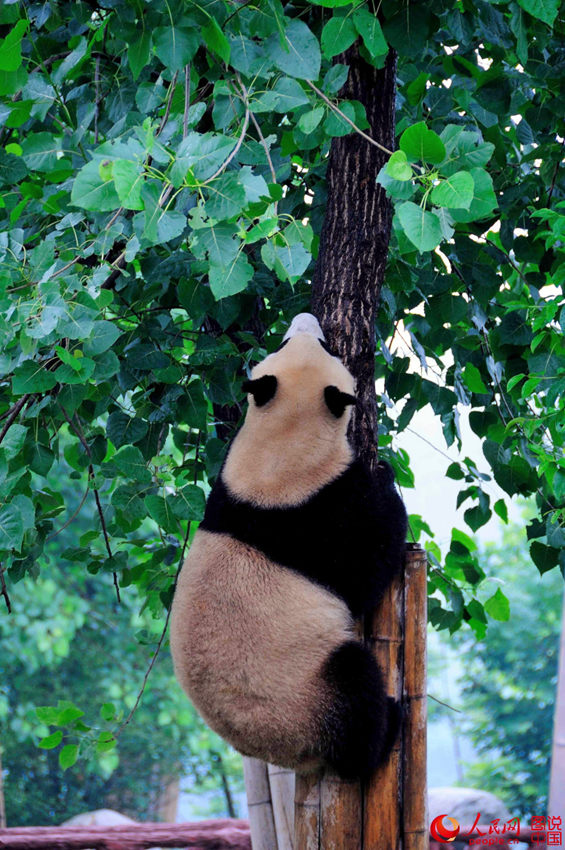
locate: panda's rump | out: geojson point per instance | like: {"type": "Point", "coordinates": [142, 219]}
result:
{"type": "Point", "coordinates": [250, 639]}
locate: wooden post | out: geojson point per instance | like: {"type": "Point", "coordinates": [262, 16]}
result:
{"type": "Point", "coordinates": [281, 783]}
{"type": "Point", "coordinates": [391, 812]}
{"type": "Point", "coordinates": [415, 791]}
{"type": "Point", "coordinates": [261, 818]}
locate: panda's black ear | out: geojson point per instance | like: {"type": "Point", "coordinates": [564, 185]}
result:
{"type": "Point", "coordinates": [337, 400]}
{"type": "Point", "coordinates": [262, 389]}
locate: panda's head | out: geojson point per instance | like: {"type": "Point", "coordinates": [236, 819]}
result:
{"type": "Point", "coordinates": [294, 438]}
{"type": "Point", "coordinates": [302, 384]}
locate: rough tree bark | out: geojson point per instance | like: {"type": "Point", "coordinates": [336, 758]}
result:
{"type": "Point", "coordinates": [347, 283]}
{"type": "Point", "coordinates": [354, 242]}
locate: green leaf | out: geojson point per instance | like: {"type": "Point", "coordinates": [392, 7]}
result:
{"type": "Point", "coordinates": [422, 228]}
{"type": "Point", "coordinates": [216, 40]}
{"type": "Point", "coordinates": [11, 528]}
{"type": "Point", "coordinates": [310, 120]}
{"type": "Point", "coordinates": [40, 151]}
{"type": "Point", "coordinates": [138, 54]}
{"type": "Point", "coordinates": [298, 53]}
{"type": "Point", "coordinates": [370, 30]}
{"type": "Point", "coordinates": [459, 536]}
{"type": "Point", "coordinates": [473, 379]}
{"type": "Point", "coordinates": [102, 337]}
{"type": "Point", "coordinates": [335, 4]}
{"type": "Point", "coordinates": [338, 34]}
{"type": "Point", "coordinates": [131, 463]}
{"type": "Point", "coordinates": [14, 440]}
{"type": "Point", "coordinates": [398, 168]}
{"type": "Point", "coordinates": [294, 259]}
{"type": "Point", "coordinates": [105, 743]}
{"type": "Point", "coordinates": [454, 192]}
{"type": "Point", "coordinates": [176, 46]}
{"type": "Point", "coordinates": [544, 557]}
{"type": "Point", "coordinates": [47, 714]}
{"type": "Point", "coordinates": [11, 47]}
{"type": "Point", "coordinates": [51, 741]}
{"type": "Point", "coordinates": [484, 200]}
{"type": "Point", "coordinates": [204, 153]}
{"type": "Point", "coordinates": [501, 509]}
{"type": "Point", "coordinates": [91, 192]}
{"type": "Point", "coordinates": [189, 503]}
{"type": "Point", "coordinates": [162, 512]}
{"type": "Point", "coordinates": [128, 180]}
{"type": "Point", "coordinates": [498, 606]}
{"type": "Point", "coordinates": [335, 78]}
{"type": "Point", "coordinates": [31, 377]}
{"type": "Point", "coordinates": [108, 711]}
{"type": "Point", "coordinates": [422, 145]}
{"type": "Point", "coordinates": [544, 10]}
{"type": "Point", "coordinates": [68, 756]}
{"type": "Point", "coordinates": [230, 278]}
{"type": "Point", "coordinates": [123, 429]}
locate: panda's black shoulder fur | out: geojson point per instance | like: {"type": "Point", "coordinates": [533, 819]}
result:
{"type": "Point", "coordinates": [349, 536]}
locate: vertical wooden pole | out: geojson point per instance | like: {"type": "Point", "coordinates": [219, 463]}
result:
{"type": "Point", "coordinates": [281, 783]}
{"type": "Point", "coordinates": [307, 812]}
{"type": "Point", "coordinates": [391, 811]}
{"type": "Point", "coordinates": [261, 819]}
{"type": "Point", "coordinates": [415, 796]}
{"type": "Point", "coordinates": [382, 797]}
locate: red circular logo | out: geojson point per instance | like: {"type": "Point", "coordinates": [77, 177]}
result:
{"type": "Point", "coordinates": [444, 828]}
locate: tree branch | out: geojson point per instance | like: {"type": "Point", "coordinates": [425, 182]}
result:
{"type": "Point", "coordinates": [78, 431]}
{"type": "Point", "coordinates": [4, 590]}
{"type": "Point", "coordinates": [13, 414]}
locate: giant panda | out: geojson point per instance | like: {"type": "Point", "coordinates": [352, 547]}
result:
{"type": "Point", "coordinates": [298, 540]}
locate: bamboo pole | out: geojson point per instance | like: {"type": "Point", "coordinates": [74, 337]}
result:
{"type": "Point", "coordinates": [261, 818]}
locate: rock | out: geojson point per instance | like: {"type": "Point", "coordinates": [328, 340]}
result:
{"type": "Point", "coordinates": [100, 817]}
{"type": "Point", "coordinates": [464, 804]}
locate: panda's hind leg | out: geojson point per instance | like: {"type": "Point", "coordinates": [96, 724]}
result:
{"type": "Point", "coordinates": [362, 725]}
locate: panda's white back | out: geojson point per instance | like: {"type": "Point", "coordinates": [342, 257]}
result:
{"type": "Point", "coordinates": [249, 639]}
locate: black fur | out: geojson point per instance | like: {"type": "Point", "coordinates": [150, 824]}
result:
{"type": "Point", "coordinates": [262, 389]}
{"type": "Point", "coordinates": [361, 729]}
{"type": "Point", "coordinates": [349, 536]}
{"type": "Point", "coordinates": [337, 400]}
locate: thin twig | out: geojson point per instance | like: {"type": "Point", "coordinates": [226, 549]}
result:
{"type": "Point", "coordinates": [78, 431]}
{"type": "Point", "coordinates": [228, 159]}
{"type": "Point", "coordinates": [71, 518]}
{"type": "Point", "coordinates": [163, 633]}
{"type": "Point", "coordinates": [4, 590]}
{"type": "Point", "coordinates": [345, 118]}
{"type": "Point", "coordinates": [446, 704]}
{"type": "Point", "coordinates": [265, 147]}
{"type": "Point", "coordinates": [96, 96]}
{"type": "Point", "coordinates": [170, 94]}
{"type": "Point", "coordinates": [161, 639]}
{"type": "Point", "coordinates": [186, 101]}
{"type": "Point", "coordinates": [13, 415]}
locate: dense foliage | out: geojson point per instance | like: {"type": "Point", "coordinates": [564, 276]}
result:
{"type": "Point", "coordinates": [70, 649]}
{"type": "Point", "coordinates": [162, 171]}
{"type": "Point", "coordinates": [508, 681]}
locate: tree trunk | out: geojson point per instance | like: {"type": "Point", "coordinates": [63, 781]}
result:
{"type": "Point", "coordinates": [347, 283]}
{"type": "Point", "coordinates": [354, 241]}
